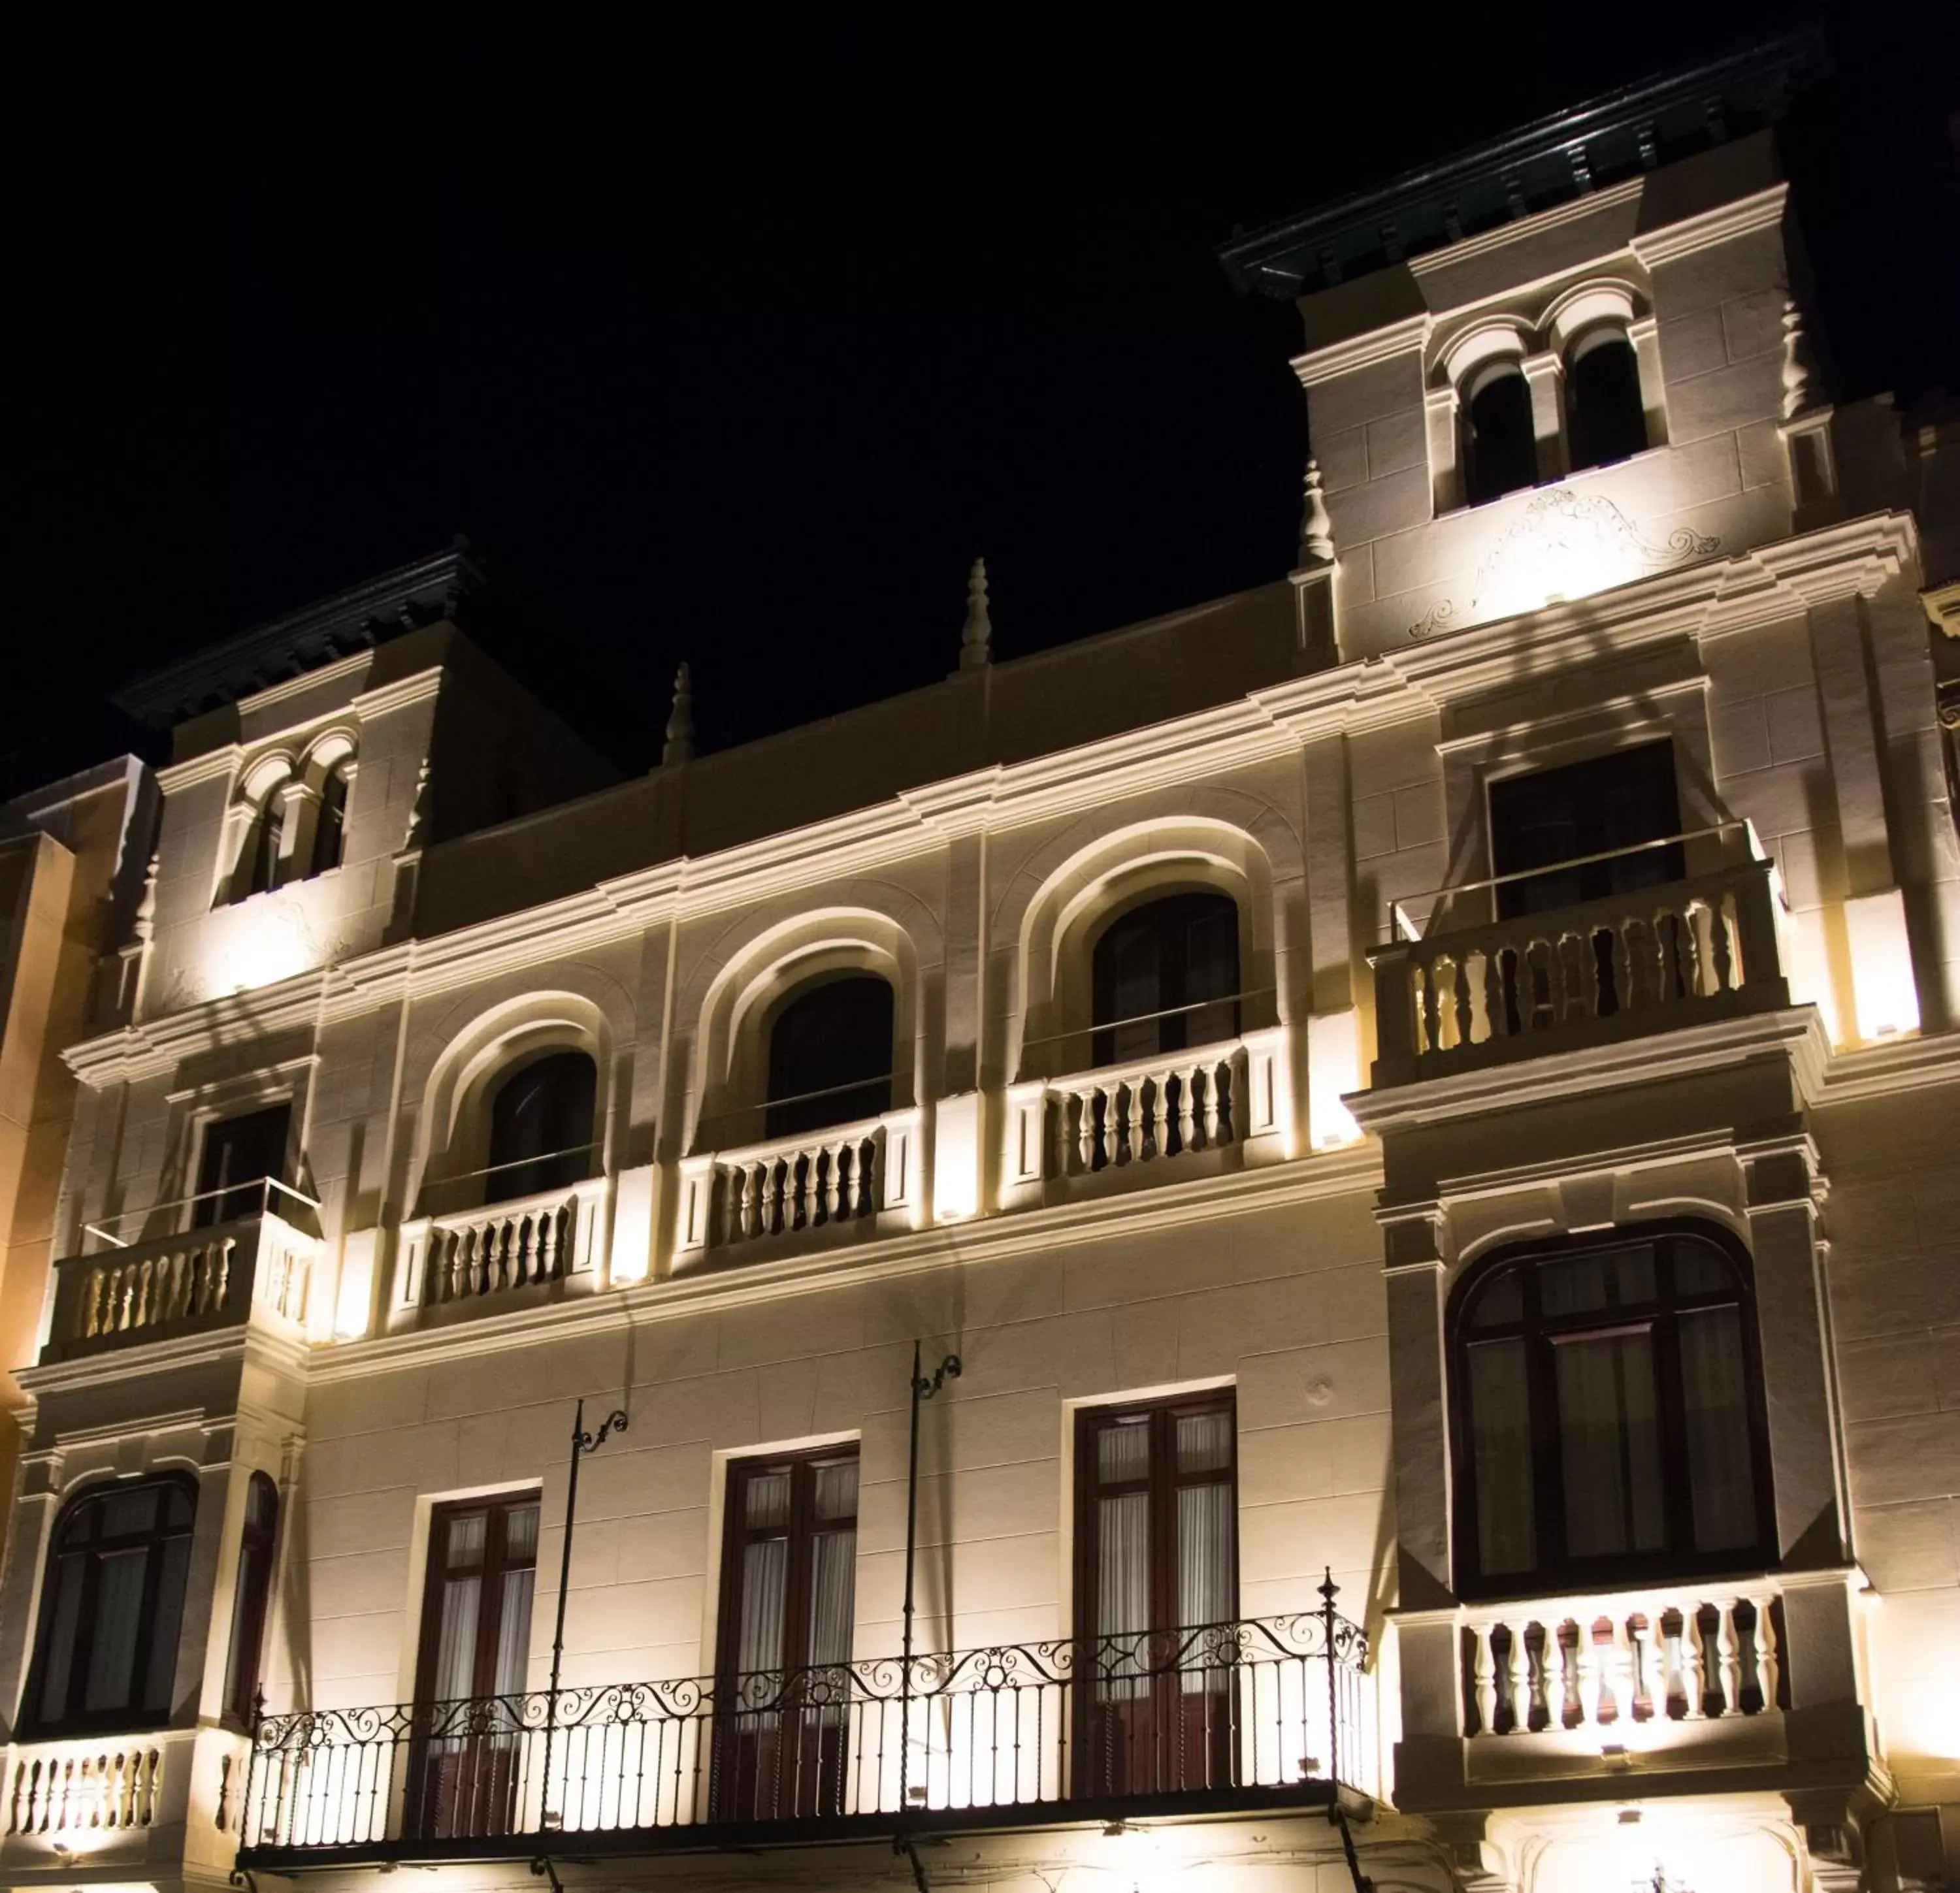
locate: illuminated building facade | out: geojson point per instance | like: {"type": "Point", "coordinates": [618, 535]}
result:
{"type": "Point", "coordinates": [1336, 1209]}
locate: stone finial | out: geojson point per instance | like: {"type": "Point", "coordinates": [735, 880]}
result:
{"type": "Point", "coordinates": [418, 810]}
{"type": "Point", "coordinates": [1799, 364]}
{"type": "Point", "coordinates": [145, 926]}
{"type": "Point", "coordinates": [976, 640]}
{"type": "Point", "coordinates": [1316, 530]}
{"type": "Point", "coordinates": [678, 746]}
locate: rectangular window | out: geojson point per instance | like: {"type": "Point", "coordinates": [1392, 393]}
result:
{"type": "Point", "coordinates": [239, 1154]}
{"type": "Point", "coordinates": [476, 1645]}
{"type": "Point", "coordinates": [1594, 808]}
{"type": "Point", "coordinates": [788, 1603]}
{"type": "Point", "coordinates": [1156, 1563]}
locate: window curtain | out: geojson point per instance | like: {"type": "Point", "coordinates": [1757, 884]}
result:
{"type": "Point", "coordinates": [1500, 1419]}
{"type": "Point", "coordinates": [1610, 1445]}
{"type": "Point", "coordinates": [1720, 1465]}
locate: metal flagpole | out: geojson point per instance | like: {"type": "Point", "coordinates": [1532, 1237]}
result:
{"type": "Point", "coordinates": [923, 1390]}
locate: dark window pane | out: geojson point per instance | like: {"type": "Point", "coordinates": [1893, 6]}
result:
{"type": "Point", "coordinates": [1500, 447]}
{"type": "Point", "coordinates": [1499, 1302]}
{"type": "Point", "coordinates": [329, 833]}
{"type": "Point", "coordinates": [1609, 1442]}
{"type": "Point", "coordinates": [1153, 971]}
{"type": "Point", "coordinates": [1720, 1469]}
{"type": "Point", "coordinates": [1605, 803]}
{"type": "Point", "coordinates": [830, 1057]}
{"type": "Point", "coordinates": [541, 1128]}
{"type": "Point", "coordinates": [1605, 420]}
{"type": "Point", "coordinates": [239, 1153]}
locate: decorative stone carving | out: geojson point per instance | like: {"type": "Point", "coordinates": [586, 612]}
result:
{"type": "Point", "coordinates": [678, 746]}
{"type": "Point", "coordinates": [1799, 364]}
{"type": "Point", "coordinates": [1316, 530]}
{"type": "Point", "coordinates": [976, 639]}
{"type": "Point", "coordinates": [1567, 544]}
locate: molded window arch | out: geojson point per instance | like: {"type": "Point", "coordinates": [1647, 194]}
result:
{"type": "Point", "coordinates": [329, 831]}
{"type": "Point", "coordinates": [261, 862]}
{"type": "Point", "coordinates": [105, 1654]}
{"type": "Point", "coordinates": [1608, 1412]}
{"type": "Point", "coordinates": [830, 1049]}
{"type": "Point", "coordinates": [251, 1598]}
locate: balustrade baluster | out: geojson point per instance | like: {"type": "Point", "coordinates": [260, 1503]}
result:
{"type": "Point", "coordinates": [751, 1175]}
{"type": "Point", "coordinates": [1694, 1656]}
{"type": "Point", "coordinates": [1213, 1113]}
{"type": "Point", "coordinates": [1620, 1660]}
{"type": "Point", "coordinates": [1132, 1148]}
{"type": "Point", "coordinates": [1430, 1010]}
{"type": "Point", "coordinates": [1640, 1634]}
{"type": "Point", "coordinates": [556, 1229]}
{"type": "Point", "coordinates": [1484, 1679]}
{"type": "Point", "coordinates": [1768, 1666]}
{"type": "Point", "coordinates": [1729, 1655]}
{"type": "Point", "coordinates": [1187, 1108]}
{"type": "Point", "coordinates": [1722, 926]}
{"type": "Point", "coordinates": [1591, 1673]}
{"type": "Point", "coordinates": [1085, 1127]}
{"type": "Point", "coordinates": [1160, 1114]}
{"type": "Point", "coordinates": [1518, 1679]}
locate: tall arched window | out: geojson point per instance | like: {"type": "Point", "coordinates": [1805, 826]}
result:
{"type": "Point", "coordinates": [106, 1649]}
{"type": "Point", "coordinates": [1609, 1415]}
{"type": "Point", "coordinates": [330, 834]}
{"type": "Point", "coordinates": [541, 1127]}
{"type": "Point", "coordinates": [264, 844]}
{"type": "Point", "coordinates": [1500, 443]}
{"type": "Point", "coordinates": [1166, 977]}
{"type": "Point", "coordinates": [1605, 419]}
{"type": "Point", "coordinates": [250, 1597]}
{"type": "Point", "coordinates": [830, 1056]}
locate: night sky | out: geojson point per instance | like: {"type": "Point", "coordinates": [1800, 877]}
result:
{"type": "Point", "coordinates": [739, 347]}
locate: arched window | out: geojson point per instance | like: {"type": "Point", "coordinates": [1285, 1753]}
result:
{"type": "Point", "coordinates": [1605, 419]}
{"type": "Point", "coordinates": [1166, 977]}
{"type": "Point", "coordinates": [263, 844]}
{"type": "Point", "coordinates": [1609, 1415]}
{"type": "Point", "coordinates": [106, 1649]}
{"type": "Point", "coordinates": [830, 1056]}
{"type": "Point", "coordinates": [1499, 444]}
{"type": "Point", "coordinates": [250, 1597]}
{"type": "Point", "coordinates": [541, 1127]}
{"type": "Point", "coordinates": [330, 834]}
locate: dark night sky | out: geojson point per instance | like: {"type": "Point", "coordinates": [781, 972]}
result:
{"type": "Point", "coordinates": [739, 347]}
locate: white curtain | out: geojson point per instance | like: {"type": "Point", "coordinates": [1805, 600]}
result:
{"type": "Point", "coordinates": [119, 1613]}
{"type": "Point", "coordinates": [1609, 1440]}
{"type": "Point", "coordinates": [1721, 1475]}
{"type": "Point", "coordinates": [1501, 1426]}
{"type": "Point", "coordinates": [1123, 1588]}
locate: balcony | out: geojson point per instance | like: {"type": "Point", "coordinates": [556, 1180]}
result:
{"type": "Point", "coordinates": [1453, 998]}
{"type": "Point", "coordinates": [847, 1180]}
{"type": "Point", "coordinates": [1241, 1716]}
{"type": "Point", "coordinates": [502, 1254]}
{"type": "Point", "coordinates": [219, 1275]}
{"type": "Point", "coordinates": [1090, 1131]}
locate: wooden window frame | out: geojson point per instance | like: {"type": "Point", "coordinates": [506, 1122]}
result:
{"type": "Point", "coordinates": [1557, 1571]}
{"type": "Point", "coordinates": [1175, 973]}
{"type": "Point", "coordinates": [496, 1565]}
{"type": "Point", "coordinates": [128, 1719]}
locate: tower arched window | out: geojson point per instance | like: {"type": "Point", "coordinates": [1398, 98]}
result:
{"type": "Point", "coordinates": [112, 1607]}
{"type": "Point", "coordinates": [541, 1120]}
{"type": "Point", "coordinates": [1605, 419]}
{"type": "Point", "coordinates": [251, 1597]}
{"type": "Point", "coordinates": [330, 834]}
{"type": "Point", "coordinates": [1166, 977]}
{"type": "Point", "coordinates": [1500, 443]}
{"type": "Point", "coordinates": [830, 1056]}
{"type": "Point", "coordinates": [265, 844]}
{"type": "Point", "coordinates": [1608, 1414]}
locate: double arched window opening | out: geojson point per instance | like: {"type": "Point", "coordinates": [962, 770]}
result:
{"type": "Point", "coordinates": [296, 823]}
{"type": "Point", "coordinates": [1609, 1415]}
{"type": "Point", "coordinates": [1605, 417]}
{"type": "Point", "coordinates": [105, 1655]}
{"type": "Point", "coordinates": [1500, 446]}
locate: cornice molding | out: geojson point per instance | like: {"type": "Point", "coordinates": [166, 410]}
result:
{"type": "Point", "coordinates": [1760, 211]}
{"type": "Point", "coordinates": [384, 699]}
{"type": "Point", "coordinates": [1575, 211]}
{"type": "Point", "coordinates": [204, 767]}
{"type": "Point", "coordinates": [249, 1343]}
{"type": "Point", "coordinates": [894, 1258]}
{"type": "Point", "coordinates": [307, 681]}
{"type": "Point", "coordinates": [1314, 365]}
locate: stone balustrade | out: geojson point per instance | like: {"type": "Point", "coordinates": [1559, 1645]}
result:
{"type": "Point", "coordinates": [1462, 997]}
{"type": "Point", "coordinates": [84, 1787]}
{"type": "Point", "coordinates": [1600, 1664]}
{"type": "Point", "coordinates": [474, 1257]}
{"type": "Point", "coordinates": [864, 1172]}
{"type": "Point", "coordinates": [1090, 1124]}
{"type": "Point", "coordinates": [180, 1284]}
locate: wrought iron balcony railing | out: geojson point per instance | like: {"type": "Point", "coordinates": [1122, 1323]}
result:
{"type": "Point", "coordinates": [1241, 1714]}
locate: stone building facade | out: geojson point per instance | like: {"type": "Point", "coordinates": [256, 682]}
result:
{"type": "Point", "coordinates": [1335, 1209]}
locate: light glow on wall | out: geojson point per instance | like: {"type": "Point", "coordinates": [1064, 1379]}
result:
{"type": "Point", "coordinates": [1333, 1066]}
{"type": "Point", "coordinates": [1882, 986]}
{"type": "Point", "coordinates": [956, 1161]}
